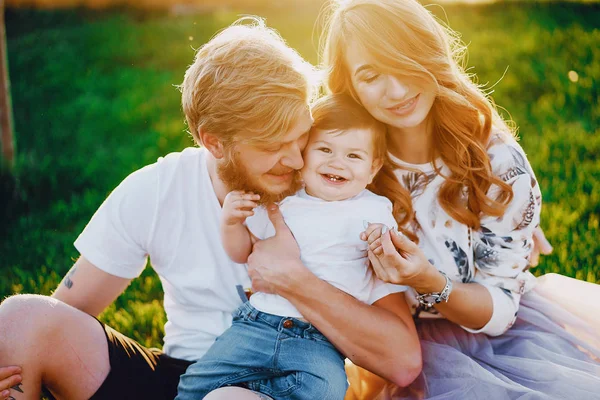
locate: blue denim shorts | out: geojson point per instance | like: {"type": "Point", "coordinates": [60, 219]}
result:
{"type": "Point", "coordinates": [284, 358]}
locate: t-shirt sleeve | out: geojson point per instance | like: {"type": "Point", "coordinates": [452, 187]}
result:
{"type": "Point", "coordinates": [502, 246]}
{"type": "Point", "coordinates": [259, 224]}
{"type": "Point", "coordinates": [380, 289]}
{"type": "Point", "coordinates": [116, 238]}
{"type": "Point", "coordinates": [382, 212]}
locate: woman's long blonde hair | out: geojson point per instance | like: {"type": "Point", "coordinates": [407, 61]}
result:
{"type": "Point", "coordinates": [406, 40]}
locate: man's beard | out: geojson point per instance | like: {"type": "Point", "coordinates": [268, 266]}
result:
{"type": "Point", "coordinates": [234, 176]}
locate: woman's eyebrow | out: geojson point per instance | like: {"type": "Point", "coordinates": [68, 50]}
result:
{"type": "Point", "coordinates": [362, 68]}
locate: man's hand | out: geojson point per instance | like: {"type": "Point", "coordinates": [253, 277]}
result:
{"type": "Point", "coordinates": [541, 245]}
{"type": "Point", "coordinates": [9, 377]}
{"type": "Point", "coordinates": [274, 265]}
{"type": "Point", "coordinates": [238, 206]}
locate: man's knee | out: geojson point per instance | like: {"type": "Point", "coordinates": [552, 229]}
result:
{"type": "Point", "coordinates": [27, 314]}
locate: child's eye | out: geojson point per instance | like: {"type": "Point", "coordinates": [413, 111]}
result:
{"type": "Point", "coordinates": [324, 150]}
{"type": "Point", "coordinates": [356, 156]}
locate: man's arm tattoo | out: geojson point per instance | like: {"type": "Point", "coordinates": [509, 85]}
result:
{"type": "Point", "coordinates": [68, 281]}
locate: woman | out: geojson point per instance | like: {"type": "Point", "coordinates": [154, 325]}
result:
{"type": "Point", "coordinates": [471, 201]}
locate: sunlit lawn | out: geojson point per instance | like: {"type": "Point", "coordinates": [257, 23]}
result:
{"type": "Point", "coordinates": [94, 98]}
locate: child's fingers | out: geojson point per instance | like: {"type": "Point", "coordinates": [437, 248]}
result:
{"type": "Point", "coordinates": [243, 213]}
{"type": "Point", "coordinates": [375, 234]}
{"type": "Point", "coordinates": [375, 244]}
{"type": "Point", "coordinates": [369, 227]}
{"type": "Point", "coordinates": [244, 204]}
{"type": "Point", "coordinates": [249, 196]}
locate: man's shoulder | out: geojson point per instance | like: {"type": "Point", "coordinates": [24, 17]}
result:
{"type": "Point", "coordinates": [186, 165]}
{"type": "Point", "coordinates": [189, 155]}
{"type": "Point", "coordinates": [177, 174]}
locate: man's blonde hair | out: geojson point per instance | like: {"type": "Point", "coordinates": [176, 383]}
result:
{"type": "Point", "coordinates": [246, 84]}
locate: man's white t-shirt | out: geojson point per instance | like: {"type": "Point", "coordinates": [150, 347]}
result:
{"type": "Point", "coordinates": [328, 235]}
{"type": "Point", "coordinates": [169, 212]}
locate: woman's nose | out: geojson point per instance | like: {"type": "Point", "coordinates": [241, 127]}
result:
{"type": "Point", "coordinates": [396, 89]}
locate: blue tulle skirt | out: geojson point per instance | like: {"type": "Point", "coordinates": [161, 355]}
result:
{"type": "Point", "coordinates": [552, 352]}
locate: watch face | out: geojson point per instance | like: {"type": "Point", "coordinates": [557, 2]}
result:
{"type": "Point", "coordinates": [430, 299]}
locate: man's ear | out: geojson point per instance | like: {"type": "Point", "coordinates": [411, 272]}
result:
{"type": "Point", "coordinates": [375, 167]}
{"type": "Point", "coordinates": [212, 143]}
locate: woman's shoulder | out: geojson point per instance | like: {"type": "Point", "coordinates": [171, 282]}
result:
{"type": "Point", "coordinates": [507, 157]}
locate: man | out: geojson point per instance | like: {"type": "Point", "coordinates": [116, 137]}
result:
{"type": "Point", "coordinates": [246, 102]}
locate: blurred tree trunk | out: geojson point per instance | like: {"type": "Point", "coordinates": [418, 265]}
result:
{"type": "Point", "coordinates": [6, 129]}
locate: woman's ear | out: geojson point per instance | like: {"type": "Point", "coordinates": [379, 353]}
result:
{"type": "Point", "coordinates": [375, 167]}
{"type": "Point", "coordinates": [212, 143]}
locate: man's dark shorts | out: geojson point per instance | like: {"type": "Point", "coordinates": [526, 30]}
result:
{"type": "Point", "coordinates": [137, 372]}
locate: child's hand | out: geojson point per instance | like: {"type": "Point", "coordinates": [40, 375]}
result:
{"type": "Point", "coordinates": [238, 206]}
{"type": "Point", "coordinates": [373, 232]}
{"type": "Point", "coordinates": [395, 258]}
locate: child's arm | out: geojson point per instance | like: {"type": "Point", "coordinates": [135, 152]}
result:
{"type": "Point", "coordinates": [237, 240]}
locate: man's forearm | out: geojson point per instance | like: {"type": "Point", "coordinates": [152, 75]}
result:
{"type": "Point", "coordinates": [382, 340]}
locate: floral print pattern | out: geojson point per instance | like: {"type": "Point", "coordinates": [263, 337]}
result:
{"type": "Point", "coordinates": [497, 254]}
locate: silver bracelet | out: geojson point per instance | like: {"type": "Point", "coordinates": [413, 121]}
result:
{"type": "Point", "coordinates": [428, 300]}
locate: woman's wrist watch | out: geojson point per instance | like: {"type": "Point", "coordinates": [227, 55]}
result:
{"type": "Point", "coordinates": [428, 300]}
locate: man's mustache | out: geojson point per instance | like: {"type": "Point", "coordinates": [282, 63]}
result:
{"type": "Point", "coordinates": [282, 171]}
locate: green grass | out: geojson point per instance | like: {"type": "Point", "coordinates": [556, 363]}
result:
{"type": "Point", "coordinates": [94, 99]}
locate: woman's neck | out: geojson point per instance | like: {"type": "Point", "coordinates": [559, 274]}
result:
{"type": "Point", "coordinates": [412, 145]}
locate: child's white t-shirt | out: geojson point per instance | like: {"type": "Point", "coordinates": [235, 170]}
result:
{"type": "Point", "coordinates": [328, 235]}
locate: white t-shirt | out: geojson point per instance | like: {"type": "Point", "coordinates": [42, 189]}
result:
{"type": "Point", "coordinates": [328, 235]}
{"type": "Point", "coordinates": [497, 254]}
{"type": "Point", "coordinates": [169, 211]}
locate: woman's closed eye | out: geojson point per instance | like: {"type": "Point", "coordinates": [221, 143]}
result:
{"type": "Point", "coordinates": [272, 149]}
{"type": "Point", "coordinates": [370, 78]}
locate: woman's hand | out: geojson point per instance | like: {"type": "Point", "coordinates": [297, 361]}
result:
{"type": "Point", "coordinates": [541, 245]}
{"type": "Point", "coordinates": [396, 259]}
{"type": "Point", "coordinates": [274, 265]}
